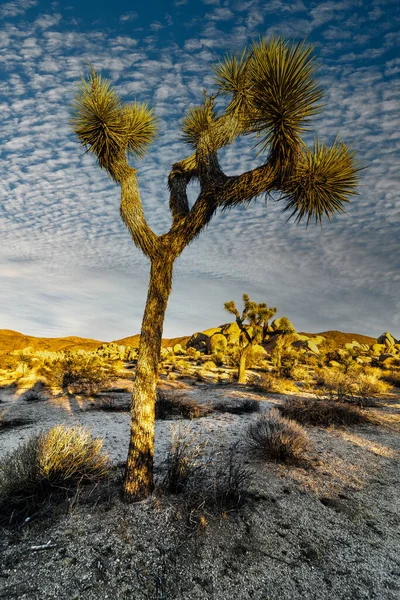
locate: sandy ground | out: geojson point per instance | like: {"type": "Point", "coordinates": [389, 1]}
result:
{"type": "Point", "coordinates": [327, 529]}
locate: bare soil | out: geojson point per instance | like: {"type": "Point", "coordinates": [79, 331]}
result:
{"type": "Point", "coordinates": [325, 529]}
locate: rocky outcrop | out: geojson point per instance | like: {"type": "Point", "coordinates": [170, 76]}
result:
{"type": "Point", "coordinates": [199, 341]}
{"type": "Point", "coordinates": [283, 324]}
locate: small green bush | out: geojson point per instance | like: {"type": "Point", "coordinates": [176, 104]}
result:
{"type": "Point", "coordinates": [48, 464]}
{"type": "Point", "coordinates": [278, 438]}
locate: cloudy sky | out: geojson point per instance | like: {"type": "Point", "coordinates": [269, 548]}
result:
{"type": "Point", "coordinates": [67, 263]}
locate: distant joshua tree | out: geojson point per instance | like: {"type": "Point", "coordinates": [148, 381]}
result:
{"type": "Point", "coordinates": [272, 94]}
{"type": "Point", "coordinates": [253, 332]}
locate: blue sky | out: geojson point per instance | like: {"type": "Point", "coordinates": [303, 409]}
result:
{"type": "Point", "coordinates": [67, 264]}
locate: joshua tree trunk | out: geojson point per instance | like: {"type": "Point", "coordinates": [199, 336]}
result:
{"type": "Point", "coordinates": [242, 364]}
{"type": "Point", "coordinates": [138, 481]}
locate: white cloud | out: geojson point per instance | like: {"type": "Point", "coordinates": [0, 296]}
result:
{"type": "Point", "coordinates": [59, 215]}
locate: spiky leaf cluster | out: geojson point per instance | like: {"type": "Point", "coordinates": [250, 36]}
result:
{"type": "Point", "coordinates": [284, 94]}
{"type": "Point", "coordinates": [232, 78]}
{"type": "Point", "coordinates": [108, 128]}
{"type": "Point", "coordinates": [322, 182]}
{"type": "Point", "coordinates": [196, 123]}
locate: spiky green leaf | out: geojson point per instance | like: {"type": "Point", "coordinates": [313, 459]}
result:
{"type": "Point", "coordinates": [197, 122]}
{"type": "Point", "coordinates": [284, 95]}
{"type": "Point", "coordinates": [322, 182]}
{"type": "Point", "coordinates": [106, 127]}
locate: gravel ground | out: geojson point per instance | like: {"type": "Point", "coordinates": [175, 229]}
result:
{"type": "Point", "coordinates": [327, 529]}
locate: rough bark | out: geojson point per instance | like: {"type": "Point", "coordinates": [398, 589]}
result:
{"type": "Point", "coordinates": [138, 482]}
{"type": "Point", "coordinates": [242, 364]}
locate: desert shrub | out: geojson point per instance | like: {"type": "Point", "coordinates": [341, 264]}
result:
{"type": "Point", "coordinates": [33, 396]}
{"type": "Point", "coordinates": [175, 404]}
{"type": "Point", "coordinates": [392, 377]}
{"type": "Point", "coordinates": [323, 412]}
{"type": "Point", "coordinates": [277, 437]}
{"type": "Point", "coordinates": [209, 365]}
{"type": "Point", "coordinates": [207, 485]}
{"type": "Point", "coordinates": [48, 464]}
{"type": "Point", "coordinates": [230, 482]}
{"type": "Point", "coordinates": [218, 359]}
{"type": "Point", "coordinates": [183, 461]}
{"type": "Point", "coordinates": [300, 373]}
{"type": "Point", "coordinates": [7, 423]}
{"type": "Point", "coordinates": [87, 373]}
{"type": "Point", "coordinates": [270, 383]}
{"type": "Point", "coordinates": [110, 405]}
{"type": "Point", "coordinates": [357, 385]}
{"type": "Point", "coordinates": [240, 408]}
{"type": "Point", "coordinates": [191, 352]}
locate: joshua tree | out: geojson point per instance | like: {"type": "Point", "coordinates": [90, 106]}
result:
{"type": "Point", "coordinates": [272, 94]}
{"type": "Point", "coordinates": [253, 332]}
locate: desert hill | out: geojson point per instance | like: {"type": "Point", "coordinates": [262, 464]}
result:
{"type": "Point", "coordinates": [133, 340]}
{"type": "Point", "coordinates": [341, 338]}
{"type": "Point", "coordinates": [13, 340]}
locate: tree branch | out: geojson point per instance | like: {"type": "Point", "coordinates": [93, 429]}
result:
{"type": "Point", "coordinates": [228, 192]}
{"type": "Point", "coordinates": [133, 216]}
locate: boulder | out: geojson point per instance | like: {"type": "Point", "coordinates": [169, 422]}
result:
{"type": "Point", "coordinates": [385, 357]}
{"type": "Point", "coordinates": [232, 333]}
{"type": "Point", "coordinates": [335, 364]}
{"type": "Point", "coordinates": [199, 341]}
{"type": "Point", "coordinates": [218, 343]}
{"type": "Point", "coordinates": [377, 349]}
{"type": "Point", "coordinates": [312, 347]}
{"type": "Point", "coordinates": [178, 349]}
{"type": "Point", "coordinates": [259, 352]}
{"type": "Point", "coordinates": [211, 331]}
{"type": "Point", "coordinates": [282, 324]}
{"type": "Point", "coordinates": [318, 340]}
{"type": "Point", "coordinates": [387, 339]}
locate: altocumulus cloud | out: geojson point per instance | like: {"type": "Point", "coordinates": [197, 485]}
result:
{"type": "Point", "coordinates": [68, 264]}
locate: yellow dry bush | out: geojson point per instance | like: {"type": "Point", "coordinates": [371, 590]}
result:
{"type": "Point", "coordinates": [71, 452]}
{"type": "Point", "coordinates": [275, 385]}
{"type": "Point", "coordinates": [46, 465]}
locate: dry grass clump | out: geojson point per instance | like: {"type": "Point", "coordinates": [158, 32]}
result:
{"type": "Point", "coordinates": [50, 463]}
{"type": "Point", "coordinates": [392, 377]}
{"type": "Point", "coordinates": [272, 384]}
{"type": "Point", "coordinates": [205, 483]}
{"type": "Point", "coordinates": [171, 405]}
{"type": "Point", "coordinates": [323, 412]}
{"type": "Point", "coordinates": [241, 408]}
{"type": "Point", "coordinates": [300, 373]}
{"type": "Point", "coordinates": [183, 461]}
{"type": "Point", "coordinates": [277, 437]}
{"type": "Point", "coordinates": [230, 482]}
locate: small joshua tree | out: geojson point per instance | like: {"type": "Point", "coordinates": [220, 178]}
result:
{"type": "Point", "coordinates": [253, 332]}
{"type": "Point", "coordinates": [272, 93]}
